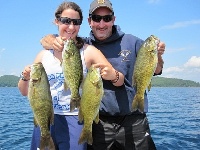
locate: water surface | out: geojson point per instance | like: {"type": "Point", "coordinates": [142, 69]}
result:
{"type": "Point", "coordinates": [174, 116]}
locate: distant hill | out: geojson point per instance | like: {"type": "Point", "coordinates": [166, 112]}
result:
{"type": "Point", "coordinates": [12, 81]}
{"type": "Point", "coordinates": [173, 82]}
{"type": "Point", "coordinates": [9, 81]}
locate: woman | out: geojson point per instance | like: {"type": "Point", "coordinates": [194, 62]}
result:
{"type": "Point", "coordinates": [66, 129]}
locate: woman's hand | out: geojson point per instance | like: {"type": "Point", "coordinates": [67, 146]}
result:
{"type": "Point", "coordinates": [26, 72]}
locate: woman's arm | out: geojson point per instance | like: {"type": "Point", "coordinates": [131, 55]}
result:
{"type": "Point", "coordinates": [24, 81]}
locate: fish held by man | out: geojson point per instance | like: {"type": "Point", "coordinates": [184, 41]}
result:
{"type": "Point", "coordinates": [40, 99]}
{"type": "Point", "coordinates": [92, 93]}
{"type": "Point", "coordinates": [145, 65]}
{"type": "Point", "coordinates": [73, 71]}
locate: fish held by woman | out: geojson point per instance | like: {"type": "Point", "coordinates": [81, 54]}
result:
{"type": "Point", "coordinates": [40, 99]}
{"type": "Point", "coordinates": [73, 71]}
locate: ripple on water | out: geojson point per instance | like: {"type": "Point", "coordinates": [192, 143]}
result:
{"type": "Point", "coordinates": [173, 116]}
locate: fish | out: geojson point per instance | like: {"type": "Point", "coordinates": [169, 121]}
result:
{"type": "Point", "coordinates": [144, 68]}
{"type": "Point", "coordinates": [40, 99]}
{"type": "Point", "coordinates": [92, 94]}
{"type": "Point", "coordinates": [73, 71]}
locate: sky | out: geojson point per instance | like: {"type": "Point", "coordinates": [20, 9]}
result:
{"type": "Point", "coordinates": [177, 23]}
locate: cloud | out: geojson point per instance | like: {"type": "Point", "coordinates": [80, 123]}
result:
{"type": "Point", "coordinates": [180, 24]}
{"type": "Point", "coordinates": [175, 50]}
{"type": "Point", "coordinates": [193, 62]}
{"type": "Point", "coordinates": [188, 71]}
{"type": "Point", "coordinates": [173, 69]}
{"type": "Point", "coordinates": [14, 73]}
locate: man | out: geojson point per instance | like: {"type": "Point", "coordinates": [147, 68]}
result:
{"type": "Point", "coordinates": [119, 128]}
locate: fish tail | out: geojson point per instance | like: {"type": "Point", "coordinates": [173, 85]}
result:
{"type": "Point", "coordinates": [138, 103]}
{"type": "Point", "coordinates": [96, 120]}
{"type": "Point", "coordinates": [74, 103]}
{"type": "Point", "coordinates": [141, 106]}
{"type": "Point", "coordinates": [78, 101]}
{"type": "Point", "coordinates": [66, 87]}
{"type": "Point", "coordinates": [86, 136]}
{"type": "Point", "coordinates": [47, 142]}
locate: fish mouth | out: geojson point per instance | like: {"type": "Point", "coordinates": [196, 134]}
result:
{"type": "Point", "coordinates": [34, 80]}
{"type": "Point", "coordinates": [98, 70]}
{"type": "Point", "coordinates": [157, 40]}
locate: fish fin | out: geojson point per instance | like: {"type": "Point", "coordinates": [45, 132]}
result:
{"type": "Point", "coordinates": [66, 87]}
{"type": "Point", "coordinates": [134, 105]}
{"type": "Point", "coordinates": [72, 104]}
{"type": "Point", "coordinates": [86, 135]}
{"type": "Point", "coordinates": [82, 83]}
{"type": "Point", "coordinates": [51, 145]}
{"type": "Point", "coordinates": [134, 84]}
{"type": "Point", "coordinates": [75, 103]}
{"type": "Point", "coordinates": [80, 115]}
{"type": "Point", "coordinates": [141, 106]}
{"type": "Point", "coordinates": [138, 103]}
{"type": "Point", "coordinates": [133, 81]}
{"type": "Point", "coordinates": [46, 142]}
{"type": "Point", "coordinates": [97, 90]}
{"type": "Point", "coordinates": [35, 122]}
{"type": "Point", "coordinates": [78, 101]}
{"type": "Point", "coordinates": [149, 86]}
{"type": "Point", "coordinates": [96, 120]}
{"type": "Point", "coordinates": [52, 118]}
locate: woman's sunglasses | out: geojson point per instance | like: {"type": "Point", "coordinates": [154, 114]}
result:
{"type": "Point", "coordinates": [98, 18]}
{"type": "Point", "coordinates": [68, 21]}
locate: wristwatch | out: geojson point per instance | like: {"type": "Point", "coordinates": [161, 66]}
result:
{"type": "Point", "coordinates": [22, 77]}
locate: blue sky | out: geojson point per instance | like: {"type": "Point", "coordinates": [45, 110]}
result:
{"type": "Point", "coordinates": [23, 23]}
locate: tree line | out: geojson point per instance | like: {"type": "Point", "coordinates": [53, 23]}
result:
{"type": "Point", "coordinates": [9, 81]}
{"type": "Point", "coordinates": [12, 81]}
{"type": "Point", "coordinates": [173, 82]}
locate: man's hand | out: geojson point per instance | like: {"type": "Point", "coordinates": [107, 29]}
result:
{"type": "Point", "coordinates": [47, 41]}
{"type": "Point", "coordinates": [161, 50]}
{"type": "Point", "coordinates": [51, 42]}
{"type": "Point", "coordinates": [58, 43]}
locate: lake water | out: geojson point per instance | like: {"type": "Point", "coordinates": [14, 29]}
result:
{"type": "Point", "coordinates": [174, 116]}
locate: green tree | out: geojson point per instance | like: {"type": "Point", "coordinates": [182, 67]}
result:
{"type": "Point", "coordinates": [9, 81]}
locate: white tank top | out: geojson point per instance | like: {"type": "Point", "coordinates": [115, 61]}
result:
{"type": "Point", "coordinates": [60, 97]}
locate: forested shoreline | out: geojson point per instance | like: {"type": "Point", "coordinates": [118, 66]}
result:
{"type": "Point", "coordinates": [12, 80]}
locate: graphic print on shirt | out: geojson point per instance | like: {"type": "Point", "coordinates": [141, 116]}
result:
{"type": "Point", "coordinates": [58, 92]}
{"type": "Point", "coordinates": [124, 54]}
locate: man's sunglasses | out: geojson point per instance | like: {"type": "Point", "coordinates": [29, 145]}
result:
{"type": "Point", "coordinates": [97, 18]}
{"type": "Point", "coordinates": [68, 21]}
